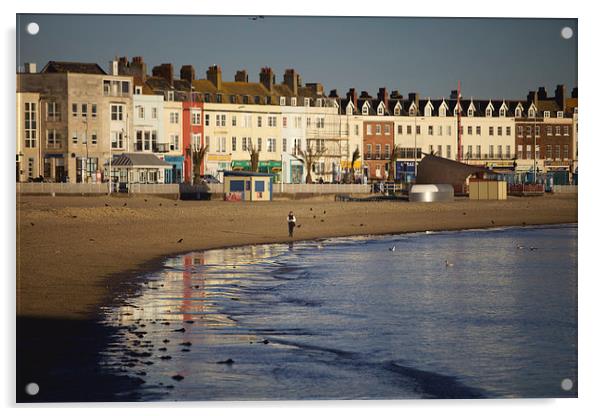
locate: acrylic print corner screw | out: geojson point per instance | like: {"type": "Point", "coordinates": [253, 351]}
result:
{"type": "Point", "coordinates": [264, 219]}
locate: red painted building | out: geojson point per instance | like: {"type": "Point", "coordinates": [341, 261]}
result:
{"type": "Point", "coordinates": [192, 134]}
{"type": "Point", "coordinates": [378, 145]}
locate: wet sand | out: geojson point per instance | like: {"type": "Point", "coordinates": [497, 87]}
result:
{"type": "Point", "coordinates": [71, 251]}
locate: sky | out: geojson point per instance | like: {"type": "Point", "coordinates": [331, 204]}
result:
{"type": "Point", "coordinates": [492, 57]}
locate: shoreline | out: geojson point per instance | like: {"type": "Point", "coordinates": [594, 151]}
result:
{"type": "Point", "coordinates": [97, 274]}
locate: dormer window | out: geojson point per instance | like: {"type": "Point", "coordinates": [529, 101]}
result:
{"type": "Point", "coordinates": [294, 101]}
{"type": "Point", "coordinates": [546, 114]}
{"type": "Point", "coordinates": [207, 97]}
{"type": "Point", "coordinates": [427, 111]}
{"type": "Point", "coordinates": [413, 111]}
{"type": "Point", "coordinates": [349, 110]}
{"type": "Point", "coordinates": [137, 90]}
{"type": "Point", "coordinates": [381, 111]}
{"type": "Point", "coordinates": [218, 98]}
{"type": "Point", "coordinates": [456, 112]}
{"type": "Point", "coordinates": [319, 102]}
{"type": "Point", "coordinates": [365, 110]}
{"type": "Point", "coordinates": [282, 100]}
{"type": "Point", "coordinates": [470, 112]}
{"type": "Point", "coordinates": [397, 111]}
{"type": "Point", "coordinates": [559, 114]}
{"type": "Point", "coordinates": [233, 99]}
{"type": "Point", "coordinates": [502, 112]}
{"type": "Point", "coordinates": [170, 95]}
{"type": "Point", "coordinates": [257, 99]}
{"type": "Point", "coordinates": [518, 113]}
{"type": "Point", "coordinates": [306, 102]}
{"type": "Point", "coordinates": [488, 112]}
{"type": "Point", "coordinates": [441, 111]}
{"type": "Point", "coordinates": [531, 113]}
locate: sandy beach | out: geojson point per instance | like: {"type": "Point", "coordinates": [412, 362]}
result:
{"type": "Point", "coordinates": [71, 251]}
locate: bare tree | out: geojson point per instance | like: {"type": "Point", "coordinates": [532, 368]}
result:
{"type": "Point", "coordinates": [308, 157]}
{"type": "Point", "coordinates": [197, 159]}
{"type": "Point", "coordinates": [392, 160]}
{"type": "Point", "coordinates": [350, 174]}
{"type": "Point", "coordinates": [254, 154]}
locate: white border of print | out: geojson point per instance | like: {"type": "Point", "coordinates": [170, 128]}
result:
{"type": "Point", "coordinates": [589, 283]}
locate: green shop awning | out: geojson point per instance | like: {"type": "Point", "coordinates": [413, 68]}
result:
{"type": "Point", "coordinates": [265, 166]}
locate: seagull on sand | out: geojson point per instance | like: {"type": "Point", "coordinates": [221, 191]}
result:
{"type": "Point", "coordinates": [392, 248]}
{"type": "Point", "coordinates": [448, 264]}
{"type": "Point", "coordinates": [519, 247]}
{"type": "Point", "coordinates": [532, 248]}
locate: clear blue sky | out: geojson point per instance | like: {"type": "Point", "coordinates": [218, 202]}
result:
{"type": "Point", "coordinates": [494, 58]}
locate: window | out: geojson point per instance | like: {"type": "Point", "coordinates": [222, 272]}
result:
{"type": "Point", "coordinates": [207, 97]}
{"type": "Point", "coordinates": [207, 119]}
{"type": "Point", "coordinates": [409, 129]}
{"type": "Point", "coordinates": [306, 102]}
{"type": "Point", "coordinates": [233, 99]}
{"type": "Point", "coordinates": [369, 129]}
{"type": "Point", "coordinates": [557, 156]}
{"type": "Point", "coordinates": [491, 130]}
{"type": "Point", "coordinates": [449, 130]}
{"type": "Point", "coordinates": [378, 129]}
{"type": "Point", "coordinates": [234, 144]}
{"type": "Point", "coordinates": [377, 151]}
{"type": "Point", "coordinates": [221, 144]}
{"type": "Point", "coordinates": [357, 130]}
{"type": "Point", "coordinates": [519, 131]}
{"type": "Point", "coordinates": [308, 123]}
{"type": "Point", "coordinates": [284, 145]}
{"type": "Point", "coordinates": [488, 112]}
{"type": "Point", "coordinates": [387, 151]}
{"type": "Point", "coordinates": [247, 120]}
{"type": "Point", "coordinates": [448, 151]}
{"type": "Point", "coordinates": [258, 121]}
{"type": "Point", "coordinates": [369, 151]}
{"type": "Point", "coordinates": [508, 131]}
{"type": "Point", "coordinates": [381, 110]}
{"type": "Point", "coordinates": [53, 139]}
{"type": "Point", "coordinates": [528, 156]}
{"type": "Point", "coordinates": [137, 90]}
{"type": "Point", "coordinates": [519, 151]}
{"type": "Point", "coordinates": [430, 130]}
{"type": "Point", "coordinates": [320, 122]}
{"type": "Point", "coordinates": [117, 140]}
{"type": "Point", "coordinates": [546, 114]}
{"type": "Point", "coordinates": [470, 112]}
{"type": "Point", "coordinates": [84, 110]}
{"type": "Point", "coordinates": [365, 110]}
{"type": "Point", "coordinates": [271, 145]}
{"type": "Point", "coordinates": [174, 117]}
{"type": "Point", "coordinates": [469, 153]}
{"type": "Point", "coordinates": [427, 111]}
{"type": "Point", "coordinates": [141, 112]}
{"type": "Point", "coordinates": [518, 112]}
{"type": "Point", "coordinates": [440, 131]}
{"type": "Point", "coordinates": [548, 130]}
{"type": "Point", "coordinates": [418, 130]}
{"type": "Point", "coordinates": [138, 144]}
{"type": "Point", "coordinates": [431, 151]}
{"type": "Point", "coordinates": [528, 131]}
{"type": "Point", "coordinates": [478, 151]}
{"type": "Point", "coordinates": [223, 118]}
{"type": "Point", "coordinates": [74, 138]}
{"type": "Point", "coordinates": [387, 130]}
{"type": "Point", "coordinates": [30, 124]}
{"type": "Point", "coordinates": [565, 154]}
{"type": "Point", "coordinates": [531, 113]}
{"type": "Point", "coordinates": [94, 138]}
{"type": "Point", "coordinates": [282, 100]}
{"type": "Point", "coordinates": [508, 152]}
{"type": "Point", "coordinates": [116, 112]}
{"type": "Point", "coordinates": [400, 129]}
{"type": "Point", "coordinates": [491, 151]}
{"type": "Point", "coordinates": [499, 131]}
{"type": "Point", "coordinates": [259, 144]}
{"type": "Point", "coordinates": [284, 122]}
{"type": "Point", "coordinates": [499, 151]}
{"type": "Point", "coordinates": [147, 140]}
{"type": "Point", "coordinates": [294, 101]}
{"type": "Point", "coordinates": [441, 111]}
{"type": "Point", "coordinates": [125, 88]}
{"type": "Point", "coordinates": [439, 151]}
{"type": "Point", "coordinates": [74, 109]}
{"type": "Point", "coordinates": [233, 118]}
{"type": "Point", "coordinates": [566, 130]}
{"type": "Point", "coordinates": [196, 118]}
{"type": "Point", "coordinates": [396, 111]}
{"type": "Point", "coordinates": [502, 112]}
{"type": "Point", "coordinates": [93, 110]}
{"type": "Point", "coordinates": [218, 98]}
{"type": "Point", "coordinates": [537, 131]}
{"type": "Point", "coordinates": [557, 130]}
{"type": "Point", "coordinates": [271, 121]}
{"type": "Point", "coordinates": [549, 151]}
{"type": "Point", "coordinates": [478, 130]}
{"type": "Point", "coordinates": [470, 130]}
{"type": "Point", "coordinates": [559, 114]}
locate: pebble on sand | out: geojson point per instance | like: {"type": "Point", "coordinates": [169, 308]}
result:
{"type": "Point", "coordinates": [229, 361]}
{"type": "Point", "coordinates": [178, 377]}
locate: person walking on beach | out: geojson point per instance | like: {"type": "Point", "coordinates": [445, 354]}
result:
{"type": "Point", "coordinates": [291, 223]}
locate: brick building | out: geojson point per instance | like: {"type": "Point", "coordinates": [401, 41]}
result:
{"type": "Point", "coordinates": [378, 145]}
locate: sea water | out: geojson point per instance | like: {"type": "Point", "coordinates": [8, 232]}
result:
{"type": "Point", "coordinates": [358, 318]}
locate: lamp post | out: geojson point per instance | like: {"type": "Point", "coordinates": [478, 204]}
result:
{"type": "Point", "coordinates": [534, 147]}
{"type": "Point", "coordinates": [415, 146]}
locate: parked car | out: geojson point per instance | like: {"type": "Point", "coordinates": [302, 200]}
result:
{"type": "Point", "coordinates": [210, 179]}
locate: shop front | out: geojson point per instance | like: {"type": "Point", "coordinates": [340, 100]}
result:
{"type": "Point", "coordinates": [176, 174]}
{"type": "Point", "coordinates": [272, 167]}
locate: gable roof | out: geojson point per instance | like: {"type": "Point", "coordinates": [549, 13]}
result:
{"type": "Point", "coordinates": [59, 67]}
{"type": "Point", "coordinates": [137, 160]}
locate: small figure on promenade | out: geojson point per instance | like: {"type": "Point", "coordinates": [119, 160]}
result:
{"type": "Point", "coordinates": [291, 223]}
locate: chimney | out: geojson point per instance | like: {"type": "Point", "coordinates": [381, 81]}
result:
{"type": "Point", "coordinates": [267, 78]}
{"type": "Point", "coordinates": [214, 75]}
{"type": "Point", "coordinates": [383, 96]}
{"type": "Point", "coordinates": [396, 95]}
{"type": "Point", "coordinates": [352, 96]}
{"type": "Point", "coordinates": [333, 94]}
{"type": "Point", "coordinates": [415, 97]}
{"type": "Point", "coordinates": [560, 96]}
{"type": "Point", "coordinates": [136, 68]}
{"type": "Point", "coordinates": [365, 95]}
{"type": "Point", "coordinates": [292, 80]}
{"type": "Point", "coordinates": [30, 68]}
{"type": "Point", "coordinates": [316, 88]}
{"type": "Point", "coordinates": [114, 65]}
{"type": "Point", "coordinates": [542, 93]}
{"type": "Point", "coordinates": [164, 71]}
{"type": "Point", "coordinates": [187, 72]}
{"type": "Point", "coordinates": [574, 93]}
{"type": "Point", "coordinates": [241, 76]}
{"type": "Point", "coordinates": [453, 95]}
